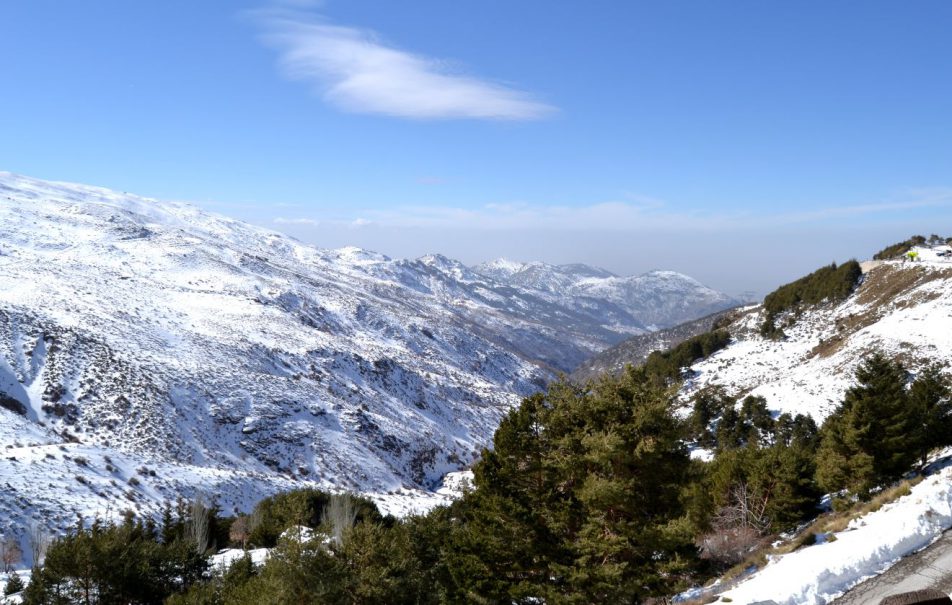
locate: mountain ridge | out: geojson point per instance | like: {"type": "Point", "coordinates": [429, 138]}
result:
{"type": "Point", "coordinates": [228, 358]}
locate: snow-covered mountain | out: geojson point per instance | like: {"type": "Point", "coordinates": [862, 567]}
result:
{"type": "Point", "coordinates": [657, 299]}
{"type": "Point", "coordinates": [148, 349]}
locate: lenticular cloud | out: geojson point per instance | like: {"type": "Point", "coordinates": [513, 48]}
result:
{"type": "Point", "coordinates": [356, 72]}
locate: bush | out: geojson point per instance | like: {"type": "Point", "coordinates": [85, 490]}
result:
{"type": "Point", "coordinates": [301, 507]}
{"type": "Point", "coordinates": [728, 547]}
{"type": "Point", "coordinates": [123, 563]}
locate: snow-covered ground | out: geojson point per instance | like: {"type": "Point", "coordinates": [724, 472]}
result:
{"type": "Point", "coordinates": [871, 544]}
{"type": "Point", "coordinates": [904, 309]}
{"type": "Point", "coordinates": [901, 307]}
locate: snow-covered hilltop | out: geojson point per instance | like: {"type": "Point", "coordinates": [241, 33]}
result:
{"type": "Point", "coordinates": [147, 348]}
{"type": "Point", "coordinates": [903, 308]}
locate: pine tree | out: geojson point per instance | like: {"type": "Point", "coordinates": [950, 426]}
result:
{"type": "Point", "coordinates": [931, 405]}
{"type": "Point", "coordinates": [872, 437]}
{"type": "Point", "coordinates": [14, 584]}
{"type": "Point", "coordinates": [709, 404]}
{"type": "Point", "coordinates": [731, 432]}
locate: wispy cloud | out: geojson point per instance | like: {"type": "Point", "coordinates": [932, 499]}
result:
{"type": "Point", "coordinates": [633, 214]}
{"type": "Point", "coordinates": [353, 70]}
{"type": "Point", "coordinates": [296, 221]}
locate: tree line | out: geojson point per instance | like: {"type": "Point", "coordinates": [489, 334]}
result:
{"type": "Point", "coordinates": [899, 249]}
{"type": "Point", "coordinates": [831, 283]}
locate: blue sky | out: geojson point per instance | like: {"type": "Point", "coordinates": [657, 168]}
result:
{"type": "Point", "coordinates": [632, 135]}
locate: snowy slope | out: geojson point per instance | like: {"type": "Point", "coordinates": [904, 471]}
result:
{"type": "Point", "coordinates": [657, 299]}
{"type": "Point", "coordinates": [870, 545]}
{"type": "Point", "coordinates": [904, 309]}
{"type": "Point", "coordinates": [149, 349]}
{"type": "Point", "coordinates": [635, 350]}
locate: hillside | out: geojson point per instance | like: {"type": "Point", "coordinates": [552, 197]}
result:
{"type": "Point", "coordinates": [658, 299]}
{"type": "Point", "coordinates": [150, 349]}
{"type": "Point", "coordinates": [635, 350]}
{"type": "Point", "coordinates": [902, 308]}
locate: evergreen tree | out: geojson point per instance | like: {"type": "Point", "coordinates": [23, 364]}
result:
{"type": "Point", "coordinates": [708, 404]}
{"type": "Point", "coordinates": [759, 426]}
{"type": "Point", "coordinates": [14, 584]}
{"type": "Point", "coordinates": [578, 499]}
{"type": "Point", "coordinates": [931, 407]}
{"type": "Point", "coordinates": [731, 431]}
{"type": "Point", "coordinates": [872, 437]}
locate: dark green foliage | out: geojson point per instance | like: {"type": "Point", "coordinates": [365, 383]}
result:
{"type": "Point", "coordinates": [381, 566]}
{"type": "Point", "coordinates": [866, 440]}
{"type": "Point", "coordinates": [588, 496]}
{"type": "Point", "coordinates": [760, 480]}
{"type": "Point", "coordinates": [718, 423]}
{"type": "Point", "coordinates": [731, 433]}
{"type": "Point", "coordinates": [797, 431]}
{"type": "Point", "coordinates": [899, 250]}
{"type": "Point", "coordinates": [14, 585]}
{"type": "Point", "coordinates": [296, 573]}
{"type": "Point", "coordinates": [770, 461]}
{"type": "Point", "coordinates": [299, 507]}
{"type": "Point", "coordinates": [882, 427]}
{"type": "Point", "coordinates": [501, 544]}
{"type": "Point", "coordinates": [108, 564]}
{"type": "Point", "coordinates": [666, 366]}
{"type": "Point", "coordinates": [578, 501]}
{"type": "Point", "coordinates": [374, 564]}
{"type": "Point", "coordinates": [833, 283]}
{"type": "Point", "coordinates": [930, 403]}
{"type": "Point", "coordinates": [708, 405]}
{"type": "Point", "coordinates": [222, 588]}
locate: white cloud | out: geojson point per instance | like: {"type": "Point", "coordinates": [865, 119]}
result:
{"type": "Point", "coordinates": [355, 71]}
{"type": "Point", "coordinates": [296, 221]}
{"type": "Point", "coordinates": [635, 214]}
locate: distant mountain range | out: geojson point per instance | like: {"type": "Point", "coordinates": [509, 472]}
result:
{"type": "Point", "coordinates": [148, 349]}
{"type": "Point", "coordinates": [654, 300]}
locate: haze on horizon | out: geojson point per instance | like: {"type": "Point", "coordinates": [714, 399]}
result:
{"type": "Point", "coordinates": [742, 145]}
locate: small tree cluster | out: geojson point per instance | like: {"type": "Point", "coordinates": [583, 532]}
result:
{"type": "Point", "coordinates": [114, 563]}
{"type": "Point", "coordinates": [666, 366]}
{"type": "Point", "coordinates": [883, 426]}
{"type": "Point", "coordinates": [833, 283]}
{"type": "Point", "coordinates": [14, 585]}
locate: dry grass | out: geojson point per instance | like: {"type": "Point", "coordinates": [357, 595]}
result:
{"type": "Point", "coordinates": [881, 287]}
